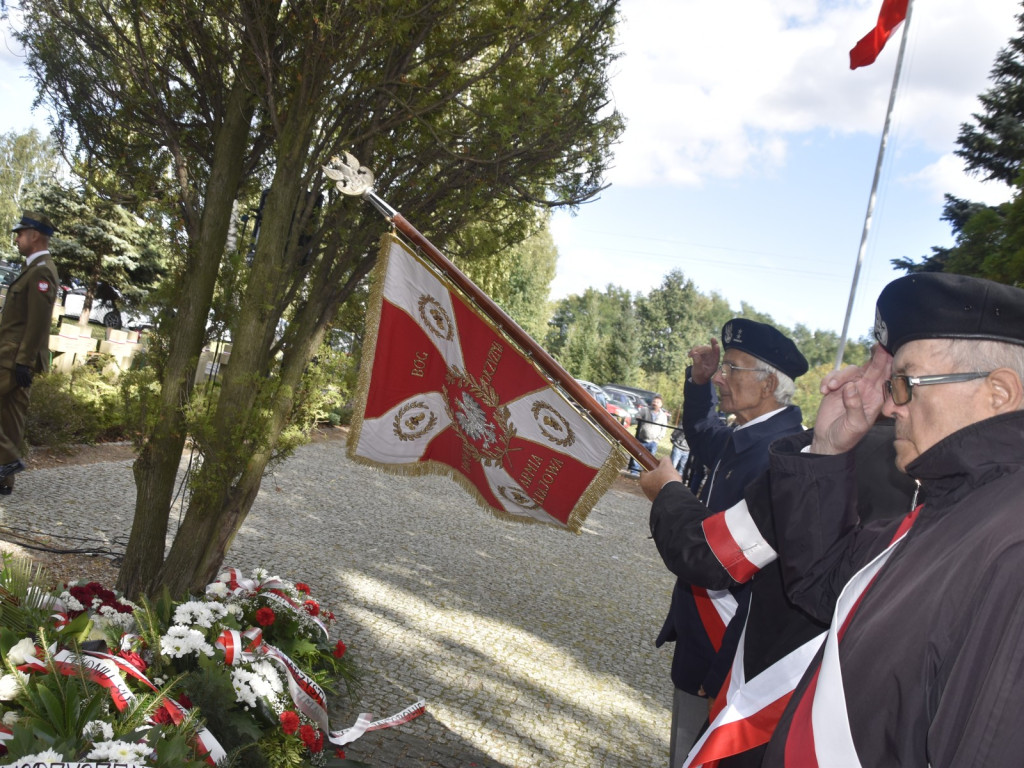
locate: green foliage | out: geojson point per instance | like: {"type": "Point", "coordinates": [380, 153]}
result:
{"type": "Point", "coordinates": [643, 341]}
{"type": "Point", "coordinates": [99, 240]}
{"type": "Point", "coordinates": [89, 405]}
{"type": "Point", "coordinates": [326, 392]}
{"type": "Point", "coordinates": [27, 161]}
{"type": "Point", "coordinates": [993, 144]}
{"type": "Point", "coordinates": [516, 277]}
{"type": "Point", "coordinates": [989, 240]}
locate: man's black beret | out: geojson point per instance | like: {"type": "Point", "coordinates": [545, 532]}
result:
{"type": "Point", "coordinates": [765, 343]}
{"type": "Point", "coordinates": [939, 305]}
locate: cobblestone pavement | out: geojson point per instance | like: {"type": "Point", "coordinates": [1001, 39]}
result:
{"type": "Point", "coordinates": [533, 648]}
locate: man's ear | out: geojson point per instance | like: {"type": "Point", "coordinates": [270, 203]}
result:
{"type": "Point", "coordinates": [769, 384]}
{"type": "Point", "coordinates": [1005, 391]}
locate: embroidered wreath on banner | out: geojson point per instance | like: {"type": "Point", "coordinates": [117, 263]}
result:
{"type": "Point", "coordinates": [479, 420]}
{"type": "Point", "coordinates": [410, 427]}
{"type": "Point", "coordinates": [517, 496]}
{"type": "Point", "coordinates": [552, 424]}
{"type": "Point", "coordinates": [435, 318]}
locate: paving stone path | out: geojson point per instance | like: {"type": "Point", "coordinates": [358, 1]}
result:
{"type": "Point", "coordinates": [533, 648]}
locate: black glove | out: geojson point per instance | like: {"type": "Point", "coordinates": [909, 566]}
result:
{"type": "Point", "coordinates": [23, 375]}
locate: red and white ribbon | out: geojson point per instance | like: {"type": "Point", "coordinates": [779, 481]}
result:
{"type": "Point", "coordinates": [364, 725]}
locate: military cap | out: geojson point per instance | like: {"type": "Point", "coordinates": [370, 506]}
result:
{"type": "Point", "coordinates": [33, 220]}
{"type": "Point", "coordinates": [939, 305]}
{"type": "Point", "coordinates": [766, 343]}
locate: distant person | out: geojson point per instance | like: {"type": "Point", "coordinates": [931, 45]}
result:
{"type": "Point", "coordinates": [755, 382]}
{"type": "Point", "coordinates": [680, 448]}
{"type": "Point", "coordinates": [650, 426]}
{"type": "Point", "coordinates": [24, 337]}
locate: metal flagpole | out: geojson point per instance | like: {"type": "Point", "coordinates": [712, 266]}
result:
{"type": "Point", "coordinates": [874, 185]}
{"type": "Point", "coordinates": [352, 178]}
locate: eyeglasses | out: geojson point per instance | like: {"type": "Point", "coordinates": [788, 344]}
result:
{"type": "Point", "coordinates": [726, 369]}
{"type": "Point", "coordinates": [900, 388]}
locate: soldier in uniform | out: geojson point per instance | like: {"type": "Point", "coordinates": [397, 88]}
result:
{"type": "Point", "coordinates": [24, 337]}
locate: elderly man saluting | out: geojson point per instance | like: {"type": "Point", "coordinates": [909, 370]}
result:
{"type": "Point", "coordinates": [923, 664]}
{"type": "Point", "coordinates": [754, 379]}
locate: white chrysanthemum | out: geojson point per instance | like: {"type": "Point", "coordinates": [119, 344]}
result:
{"type": "Point", "coordinates": [260, 574]}
{"type": "Point", "coordinates": [119, 751]}
{"type": "Point", "coordinates": [199, 613]}
{"type": "Point", "coordinates": [111, 617]}
{"type": "Point", "coordinates": [241, 680]}
{"type": "Point", "coordinates": [235, 610]}
{"type": "Point", "coordinates": [10, 718]}
{"type": "Point", "coordinates": [11, 685]}
{"type": "Point", "coordinates": [182, 641]}
{"type": "Point", "coordinates": [98, 730]}
{"type": "Point", "coordinates": [71, 602]}
{"type": "Point", "coordinates": [45, 757]}
{"type": "Point", "coordinates": [22, 651]}
{"type": "Point", "coordinates": [218, 590]}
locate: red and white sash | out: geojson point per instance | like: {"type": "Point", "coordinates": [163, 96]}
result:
{"type": "Point", "coordinates": [820, 732]}
{"type": "Point", "coordinates": [716, 608]}
{"type": "Point", "coordinates": [746, 715]}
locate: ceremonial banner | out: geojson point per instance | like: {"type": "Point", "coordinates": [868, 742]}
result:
{"type": "Point", "coordinates": [442, 391]}
{"type": "Point", "coordinates": [889, 17]}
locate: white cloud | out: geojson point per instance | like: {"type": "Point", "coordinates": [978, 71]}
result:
{"type": "Point", "coordinates": [946, 175]}
{"type": "Point", "coordinates": [714, 89]}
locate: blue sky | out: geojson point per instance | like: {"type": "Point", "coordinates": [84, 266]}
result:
{"type": "Point", "coordinates": [750, 148]}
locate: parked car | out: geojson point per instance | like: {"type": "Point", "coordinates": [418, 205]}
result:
{"type": "Point", "coordinates": [594, 391]}
{"type": "Point", "coordinates": [622, 400]}
{"type": "Point", "coordinates": [107, 308]}
{"type": "Point", "coordinates": [9, 272]}
{"type": "Point", "coordinates": [599, 394]}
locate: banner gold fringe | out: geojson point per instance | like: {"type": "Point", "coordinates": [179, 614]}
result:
{"type": "Point", "coordinates": [616, 461]}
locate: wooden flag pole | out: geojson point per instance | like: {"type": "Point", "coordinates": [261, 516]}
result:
{"type": "Point", "coordinates": [353, 179]}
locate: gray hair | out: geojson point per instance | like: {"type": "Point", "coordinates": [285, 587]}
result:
{"type": "Point", "coordinates": [974, 355]}
{"type": "Point", "coordinates": [784, 389]}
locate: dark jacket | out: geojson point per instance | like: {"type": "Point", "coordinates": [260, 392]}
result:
{"type": "Point", "coordinates": [734, 459]}
{"type": "Point", "coordinates": [932, 659]}
{"type": "Point", "coordinates": [775, 627]}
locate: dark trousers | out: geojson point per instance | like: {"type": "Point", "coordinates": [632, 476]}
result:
{"type": "Point", "coordinates": [13, 414]}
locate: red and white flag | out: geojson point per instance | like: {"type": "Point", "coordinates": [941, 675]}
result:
{"type": "Point", "coordinates": [867, 49]}
{"type": "Point", "coordinates": [443, 391]}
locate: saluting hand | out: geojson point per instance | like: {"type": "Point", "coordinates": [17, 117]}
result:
{"type": "Point", "coordinates": [705, 362]}
{"type": "Point", "coordinates": [852, 401]}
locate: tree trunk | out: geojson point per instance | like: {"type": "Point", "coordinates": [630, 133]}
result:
{"type": "Point", "coordinates": [157, 466]}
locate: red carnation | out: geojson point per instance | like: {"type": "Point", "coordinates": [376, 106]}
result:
{"type": "Point", "coordinates": [309, 735]}
{"type": "Point", "coordinates": [312, 607]}
{"type": "Point", "coordinates": [303, 588]}
{"type": "Point", "coordinates": [265, 617]}
{"type": "Point", "coordinates": [339, 753]}
{"type": "Point", "coordinates": [339, 649]}
{"type": "Point", "coordinates": [289, 722]}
